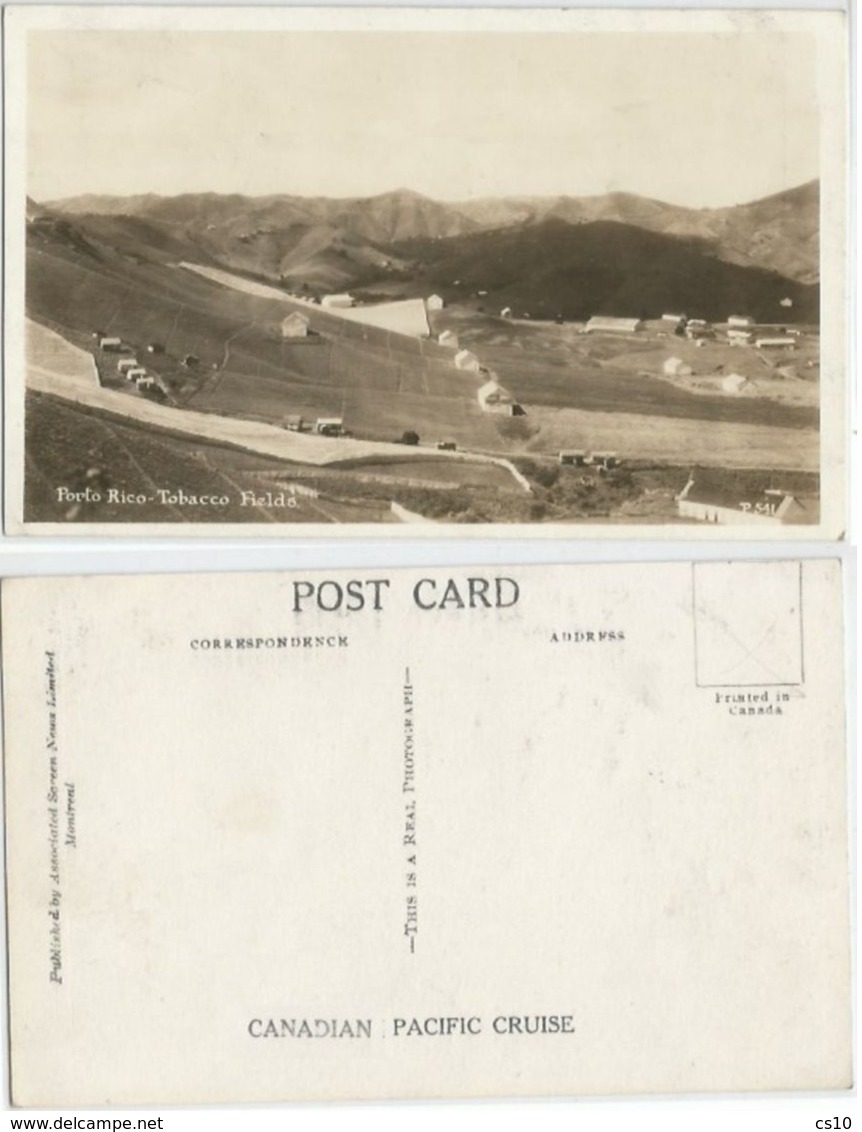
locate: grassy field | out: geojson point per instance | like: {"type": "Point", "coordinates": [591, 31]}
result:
{"type": "Point", "coordinates": [579, 391]}
{"type": "Point", "coordinates": [72, 447]}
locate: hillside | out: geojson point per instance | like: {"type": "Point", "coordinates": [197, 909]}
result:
{"type": "Point", "coordinates": [779, 233]}
{"type": "Point", "coordinates": [554, 268]}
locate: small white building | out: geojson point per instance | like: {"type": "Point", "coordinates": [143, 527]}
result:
{"type": "Point", "coordinates": [676, 367]}
{"type": "Point", "coordinates": [493, 398]}
{"type": "Point", "coordinates": [110, 343]}
{"type": "Point", "coordinates": [506, 312]}
{"type": "Point", "coordinates": [146, 382]}
{"type": "Point", "coordinates": [295, 325]}
{"type": "Point", "coordinates": [740, 320]}
{"type": "Point", "coordinates": [434, 303]}
{"type": "Point", "coordinates": [674, 319]}
{"type": "Point", "coordinates": [466, 360]}
{"type": "Point", "coordinates": [448, 338]}
{"type": "Point", "coordinates": [770, 507]}
{"type": "Point", "coordinates": [126, 363]}
{"type": "Point", "coordinates": [604, 324]}
{"type": "Point", "coordinates": [329, 426]}
{"type": "Point", "coordinates": [136, 373]}
{"type": "Point", "coordinates": [738, 337]}
{"type": "Point", "coordinates": [338, 302]}
{"type": "Point", "coordinates": [576, 457]}
{"type": "Point", "coordinates": [782, 343]}
{"type": "Point", "coordinates": [786, 302]}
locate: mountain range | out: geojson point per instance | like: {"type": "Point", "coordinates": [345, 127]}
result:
{"type": "Point", "coordinates": [615, 253]}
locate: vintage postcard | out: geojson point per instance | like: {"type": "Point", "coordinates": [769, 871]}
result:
{"type": "Point", "coordinates": [425, 272]}
{"type": "Point", "coordinates": [533, 831]}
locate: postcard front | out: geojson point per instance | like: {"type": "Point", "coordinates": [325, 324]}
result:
{"type": "Point", "coordinates": [440, 272]}
{"type": "Point", "coordinates": [509, 832]}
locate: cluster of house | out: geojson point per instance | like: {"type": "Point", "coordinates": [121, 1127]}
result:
{"type": "Point", "coordinates": [729, 383]}
{"type": "Point", "coordinates": [323, 426]}
{"type": "Point", "coordinates": [741, 330]}
{"type": "Point", "coordinates": [580, 458]}
{"type": "Point", "coordinates": [129, 366]}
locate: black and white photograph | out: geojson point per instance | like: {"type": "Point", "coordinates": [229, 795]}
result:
{"type": "Point", "coordinates": [417, 272]}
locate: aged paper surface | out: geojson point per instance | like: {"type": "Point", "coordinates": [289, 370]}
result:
{"type": "Point", "coordinates": [436, 273]}
{"type": "Point", "coordinates": [527, 831]}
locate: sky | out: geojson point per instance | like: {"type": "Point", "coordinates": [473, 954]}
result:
{"type": "Point", "coordinates": [698, 119]}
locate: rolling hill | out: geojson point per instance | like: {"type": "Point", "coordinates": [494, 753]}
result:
{"type": "Point", "coordinates": [604, 267]}
{"type": "Point", "coordinates": [333, 242]}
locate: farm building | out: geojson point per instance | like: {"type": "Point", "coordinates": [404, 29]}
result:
{"type": "Point", "coordinates": [434, 303]}
{"type": "Point", "coordinates": [406, 316]}
{"type": "Point", "coordinates": [464, 359]}
{"type": "Point", "coordinates": [786, 303]}
{"type": "Point", "coordinates": [293, 423]}
{"type": "Point", "coordinates": [676, 367]}
{"type": "Point", "coordinates": [740, 337]}
{"type": "Point", "coordinates": [699, 332]}
{"type": "Point", "coordinates": [337, 302]}
{"type": "Point", "coordinates": [673, 319]}
{"type": "Point", "coordinates": [735, 383]}
{"type": "Point", "coordinates": [740, 321]}
{"type": "Point", "coordinates": [506, 312]}
{"type": "Point", "coordinates": [493, 398]}
{"type": "Point", "coordinates": [448, 338]}
{"type": "Point", "coordinates": [604, 324]}
{"type": "Point", "coordinates": [446, 446]}
{"type": "Point", "coordinates": [135, 373]}
{"type": "Point", "coordinates": [126, 363]}
{"type": "Point", "coordinates": [329, 426]}
{"type": "Point", "coordinates": [783, 343]}
{"type": "Point", "coordinates": [605, 460]}
{"type": "Point", "coordinates": [576, 457]}
{"type": "Point", "coordinates": [110, 343]}
{"type": "Point", "coordinates": [771, 507]}
{"type": "Point", "coordinates": [294, 326]}
{"type": "Point", "coordinates": [146, 382]}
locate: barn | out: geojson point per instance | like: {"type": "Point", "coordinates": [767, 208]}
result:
{"type": "Point", "coordinates": [294, 326]}
{"type": "Point", "coordinates": [740, 321]}
{"type": "Point", "coordinates": [604, 324]}
{"type": "Point", "coordinates": [110, 344]}
{"type": "Point", "coordinates": [448, 338]}
{"type": "Point", "coordinates": [493, 398]}
{"type": "Point", "coordinates": [126, 363]}
{"type": "Point", "coordinates": [771, 507]}
{"type": "Point", "coordinates": [329, 426]}
{"type": "Point", "coordinates": [577, 457]}
{"type": "Point", "coordinates": [783, 343]}
{"type": "Point", "coordinates": [464, 359]}
{"type": "Point", "coordinates": [338, 302]}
